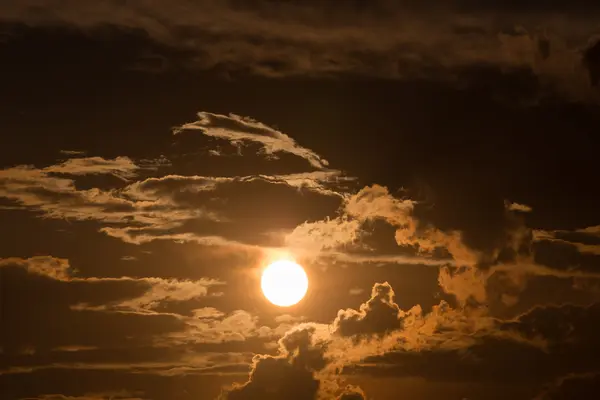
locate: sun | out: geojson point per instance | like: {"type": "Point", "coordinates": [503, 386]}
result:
{"type": "Point", "coordinates": [284, 283]}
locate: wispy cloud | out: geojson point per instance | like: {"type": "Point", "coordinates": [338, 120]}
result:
{"type": "Point", "coordinates": [148, 209]}
{"type": "Point", "coordinates": [120, 395]}
{"type": "Point", "coordinates": [71, 153]}
{"type": "Point", "coordinates": [158, 290]}
{"type": "Point", "coordinates": [564, 237]}
{"type": "Point", "coordinates": [519, 207]}
{"type": "Point", "coordinates": [121, 167]}
{"type": "Point", "coordinates": [239, 130]}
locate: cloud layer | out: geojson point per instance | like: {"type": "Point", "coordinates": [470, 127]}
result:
{"type": "Point", "coordinates": [553, 43]}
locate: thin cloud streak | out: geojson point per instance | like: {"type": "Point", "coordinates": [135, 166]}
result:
{"type": "Point", "coordinates": [237, 130]}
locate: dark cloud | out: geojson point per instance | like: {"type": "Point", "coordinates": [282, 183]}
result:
{"type": "Point", "coordinates": [573, 387]}
{"type": "Point", "coordinates": [32, 302]}
{"type": "Point", "coordinates": [79, 382]}
{"type": "Point", "coordinates": [384, 39]}
{"type": "Point", "coordinates": [352, 393]}
{"type": "Point", "coordinates": [444, 345]}
{"type": "Point", "coordinates": [184, 208]}
{"type": "Point", "coordinates": [380, 314]}
{"type": "Point", "coordinates": [535, 348]}
{"type": "Point", "coordinates": [275, 378]}
{"type": "Point", "coordinates": [131, 311]}
{"type": "Point", "coordinates": [294, 373]}
{"type": "Point", "coordinates": [591, 59]}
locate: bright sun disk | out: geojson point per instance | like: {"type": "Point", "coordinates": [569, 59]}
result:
{"type": "Point", "coordinates": [284, 283]}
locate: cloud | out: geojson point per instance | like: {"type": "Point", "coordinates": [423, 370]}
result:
{"type": "Point", "coordinates": [212, 364]}
{"type": "Point", "coordinates": [465, 284]}
{"type": "Point", "coordinates": [381, 39]}
{"type": "Point", "coordinates": [164, 290]}
{"type": "Point", "coordinates": [466, 275]}
{"type": "Point", "coordinates": [184, 209]}
{"type": "Point", "coordinates": [48, 266]}
{"type": "Point", "coordinates": [58, 197]}
{"type": "Point", "coordinates": [213, 326]}
{"type": "Point", "coordinates": [294, 373]}
{"type": "Point", "coordinates": [315, 237]}
{"type": "Point", "coordinates": [119, 395]}
{"type": "Point", "coordinates": [375, 202]}
{"type": "Point", "coordinates": [380, 327]}
{"type": "Point", "coordinates": [379, 315]}
{"type": "Point", "coordinates": [155, 208]}
{"type": "Point", "coordinates": [519, 207]}
{"type": "Point", "coordinates": [158, 290]}
{"type": "Point", "coordinates": [352, 393]}
{"type": "Point", "coordinates": [72, 153]}
{"type": "Point", "coordinates": [463, 343]}
{"type": "Point", "coordinates": [139, 315]}
{"type": "Point", "coordinates": [330, 239]}
{"type": "Point", "coordinates": [72, 348]}
{"type": "Point", "coordinates": [450, 345]}
{"type": "Point", "coordinates": [322, 182]}
{"type": "Point", "coordinates": [121, 167]}
{"type": "Point", "coordinates": [576, 239]}
{"type": "Point", "coordinates": [573, 387]}
{"type": "Point", "coordinates": [237, 130]}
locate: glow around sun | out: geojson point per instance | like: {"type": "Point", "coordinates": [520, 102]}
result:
{"type": "Point", "coordinates": [284, 283]}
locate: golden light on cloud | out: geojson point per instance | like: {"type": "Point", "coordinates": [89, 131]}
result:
{"type": "Point", "coordinates": [284, 283]}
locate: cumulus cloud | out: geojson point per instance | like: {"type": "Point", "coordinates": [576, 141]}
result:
{"type": "Point", "coordinates": [464, 268]}
{"type": "Point", "coordinates": [465, 344]}
{"type": "Point", "coordinates": [295, 372]}
{"type": "Point", "coordinates": [376, 202]}
{"type": "Point", "coordinates": [352, 393]}
{"type": "Point", "coordinates": [381, 338]}
{"type": "Point", "coordinates": [329, 238]}
{"type": "Point", "coordinates": [237, 130]}
{"type": "Point", "coordinates": [379, 315]}
{"type": "Point", "coordinates": [379, 326]}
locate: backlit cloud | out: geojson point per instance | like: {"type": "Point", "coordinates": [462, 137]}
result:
{"type": "Point", "coordinates": [239, 130]}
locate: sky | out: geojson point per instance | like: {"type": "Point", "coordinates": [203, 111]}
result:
{"type": "Point", "coordinates": [432, 166]}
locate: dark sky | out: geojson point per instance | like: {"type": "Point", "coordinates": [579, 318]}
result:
{"type": "Point", "coordinates": [432, 165]}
